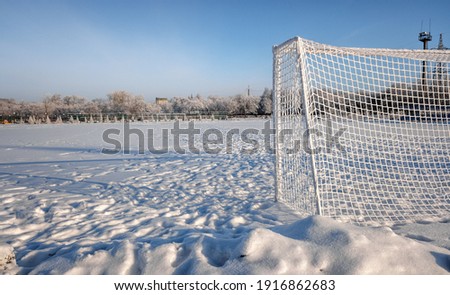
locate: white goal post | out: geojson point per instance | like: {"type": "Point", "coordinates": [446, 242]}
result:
{"type": "Point", "coordinates": [362, 135]}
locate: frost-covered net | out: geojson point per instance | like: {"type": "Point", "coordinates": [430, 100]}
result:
{"type": "Point", "coordinates": [362, 134]}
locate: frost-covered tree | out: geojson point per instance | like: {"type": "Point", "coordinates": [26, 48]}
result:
{"type": "Point", "coordinates": [188, 105]}
{"type": "Point", "coordinates": [127, 103]}
{"type": "Point", "coordinates": [102, 104]}
{"type": "Point", "coordinates": [53, 104]}
{"type": "Point", "coordinates": [244, 105]}
{"type": "Point", "coordinates": [73, 103]}
{"type": "Point", "coordinates": [91, 108]}
{"type": "Point", "coordinates": [119, 101]}
{"type": "Point", "coordinates": [153, 108]}
{"type": "Point", "coordinates": [136, 105]}
{"type": "Point", "coordinates": [217, 104]}
{"type": "Point", "coordinates": [8, 107]}
{"type": "Point", "coordinates": [265, 103]}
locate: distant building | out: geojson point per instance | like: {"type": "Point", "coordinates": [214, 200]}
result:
{"type": "Point", "coordinates": [161, 100]}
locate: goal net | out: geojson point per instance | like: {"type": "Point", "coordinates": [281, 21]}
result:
{"type": "Point", "coordinates": [362, 135]}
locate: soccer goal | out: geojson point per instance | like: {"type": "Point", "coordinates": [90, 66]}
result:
{"type": "Point", "coordinates": [362, 135]}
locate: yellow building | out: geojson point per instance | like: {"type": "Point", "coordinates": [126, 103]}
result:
{"type": "Point", "coordinates": [161, 100]}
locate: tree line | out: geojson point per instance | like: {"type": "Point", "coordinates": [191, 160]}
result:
{"type": "Point", "coordinates": [120, 103]}
{"type": "Point", "coordinates": [405, 101]}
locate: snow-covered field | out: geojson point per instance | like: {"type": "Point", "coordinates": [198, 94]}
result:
{"type": "Point", "coordinates": [68, 208]}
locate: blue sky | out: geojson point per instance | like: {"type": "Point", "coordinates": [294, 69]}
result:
{"type": "Point", "coordinates": [167, 48]}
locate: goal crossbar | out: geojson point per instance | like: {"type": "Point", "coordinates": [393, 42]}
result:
{"type": "Point", "coordinates": [318, 48]}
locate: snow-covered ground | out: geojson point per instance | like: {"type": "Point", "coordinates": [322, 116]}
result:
{"type": "Point", "coordinates": [68, 208]}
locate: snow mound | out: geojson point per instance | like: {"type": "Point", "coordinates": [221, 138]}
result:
{"type": "Point", "coordinates": [318, 245]}
{"type": "Point", "coordinates": [7, 260]}
{"type": "Point", "coordinates": [314, 245]}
